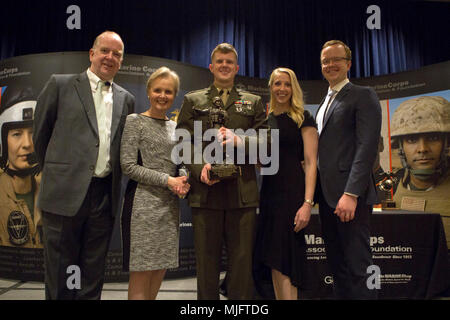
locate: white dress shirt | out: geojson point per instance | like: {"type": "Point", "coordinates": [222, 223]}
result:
{"type": "Point", "coordinates": [323, 108]}
{"type": "Point", "coordinates": [103, 166]}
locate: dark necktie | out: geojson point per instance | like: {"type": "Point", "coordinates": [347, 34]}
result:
{"type": "Point", "coordinates": [327, 103]}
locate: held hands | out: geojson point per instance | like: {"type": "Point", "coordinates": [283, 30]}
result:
{"type": "Point", "coordinates": [346, 207]}
{"type": "Point", "coordinates": [226, 136]}
{"type": "Point", "coordinates": [204, 176]}
{"type": "Point", "coordinates": [179, 185]}
{"type": "Point", "coordinates": [302, 217]}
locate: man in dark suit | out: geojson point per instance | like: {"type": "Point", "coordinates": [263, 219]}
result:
{"type": "Point", "coordinates": [224, 210]}
{"type": "Point", "coordinates": [349, 122]}
{"type": "Point", "coordinates": [78, 126]}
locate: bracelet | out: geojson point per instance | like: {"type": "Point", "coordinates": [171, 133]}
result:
{"type": "Point", "coordinates": [310, 202]}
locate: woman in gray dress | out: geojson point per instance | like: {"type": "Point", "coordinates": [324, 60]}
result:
{"type": "Point", "coordinates": [154, 227]}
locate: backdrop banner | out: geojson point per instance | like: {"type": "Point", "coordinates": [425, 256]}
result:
{"type": "Point", "coordinates": [22, 78]}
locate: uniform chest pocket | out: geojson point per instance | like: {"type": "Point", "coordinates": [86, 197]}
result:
{"type": "Point", "coordinates": [241, 116]}
{"type": "Point", "coordinates": [244, 110]}
{"type": "Point", "coordinates": [201, 113]}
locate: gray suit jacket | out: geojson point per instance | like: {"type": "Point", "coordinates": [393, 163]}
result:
{"type": "Point", "coordinates": [65, 137]}
{"type": "Point", "coordinates": [348, 145]}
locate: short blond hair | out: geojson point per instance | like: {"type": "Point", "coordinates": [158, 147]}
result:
{"type": "Point", "coordinates": [164, 72]}
{"type": "Point", "coordinates": [224, 48]}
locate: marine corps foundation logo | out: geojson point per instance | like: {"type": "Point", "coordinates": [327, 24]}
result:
{"type": "Point", "coordinates": [18, 229]}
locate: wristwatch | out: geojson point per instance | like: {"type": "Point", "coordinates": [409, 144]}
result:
{"type": "Point", "coordinates": [309, 201]}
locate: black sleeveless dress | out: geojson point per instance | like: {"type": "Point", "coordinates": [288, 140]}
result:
{"type": "Point", "coordinates": [277, 245]}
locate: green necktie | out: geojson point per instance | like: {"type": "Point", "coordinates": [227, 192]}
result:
{"type": "Point", "coordinates": [224, 96]}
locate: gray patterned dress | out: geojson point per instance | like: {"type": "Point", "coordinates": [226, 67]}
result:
{"type": "Point", "coordinates": [154, 229]}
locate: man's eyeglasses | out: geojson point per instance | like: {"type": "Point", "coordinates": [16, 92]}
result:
{"type": "Point", "coordinates": [327, 61]}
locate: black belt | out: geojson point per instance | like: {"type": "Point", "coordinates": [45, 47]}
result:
{"type": "Point", "coordinates": [101, 179]}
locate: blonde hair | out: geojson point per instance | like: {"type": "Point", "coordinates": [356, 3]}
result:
{"type": "Point", "coordinates": [296, 108]}
{"type": "Point", "coordinates": [164, 72]}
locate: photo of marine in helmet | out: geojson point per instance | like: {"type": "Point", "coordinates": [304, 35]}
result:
{"type": "Point", "coordinates": [420, 130]}
{"type": "Point", "coordinates": [20, 220]}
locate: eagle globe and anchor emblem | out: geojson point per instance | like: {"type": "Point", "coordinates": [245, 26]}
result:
{"type": "Point", "coordinates": [18, 228]}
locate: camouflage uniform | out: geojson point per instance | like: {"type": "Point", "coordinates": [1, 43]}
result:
{"type": "Point", "coordinates": [437, 200]}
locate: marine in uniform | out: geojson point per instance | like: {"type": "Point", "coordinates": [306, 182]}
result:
{"type": "Point", "coordinates": [223, 210]}
{"type": "Point", "coordinates": [420, 129]}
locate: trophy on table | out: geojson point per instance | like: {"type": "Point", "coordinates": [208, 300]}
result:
{"type": "Point", "coordinates": [388, 182]}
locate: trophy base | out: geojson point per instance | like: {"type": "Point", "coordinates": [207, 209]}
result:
{"type": "Point", "coordinates": [388, 204]}
{"type": "Point", "coordinates": [224, 172]}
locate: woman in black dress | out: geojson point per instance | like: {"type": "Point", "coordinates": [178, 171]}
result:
{"type": "Point", "coordinates": [287, 196]}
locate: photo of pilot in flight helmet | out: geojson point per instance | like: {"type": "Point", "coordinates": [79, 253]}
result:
{"type": "Point", "coordinates": [20, 219]}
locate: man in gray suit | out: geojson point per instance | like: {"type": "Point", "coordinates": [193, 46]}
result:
{"type": "Point", "coordinates": [78, 125]}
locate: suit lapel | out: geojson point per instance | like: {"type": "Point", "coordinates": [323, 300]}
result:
{"type": "Point", "coordinates": [336, 102]}
{"type": "Point", "coordinates": [118, 98]}
{"type": "Point", "coordinates": [85, 93]}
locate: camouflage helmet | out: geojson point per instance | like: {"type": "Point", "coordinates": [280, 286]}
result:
{"type": "Point", "coordinates": [428, 114]}
{"type": "Point", "coordinates": [420, 115]}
